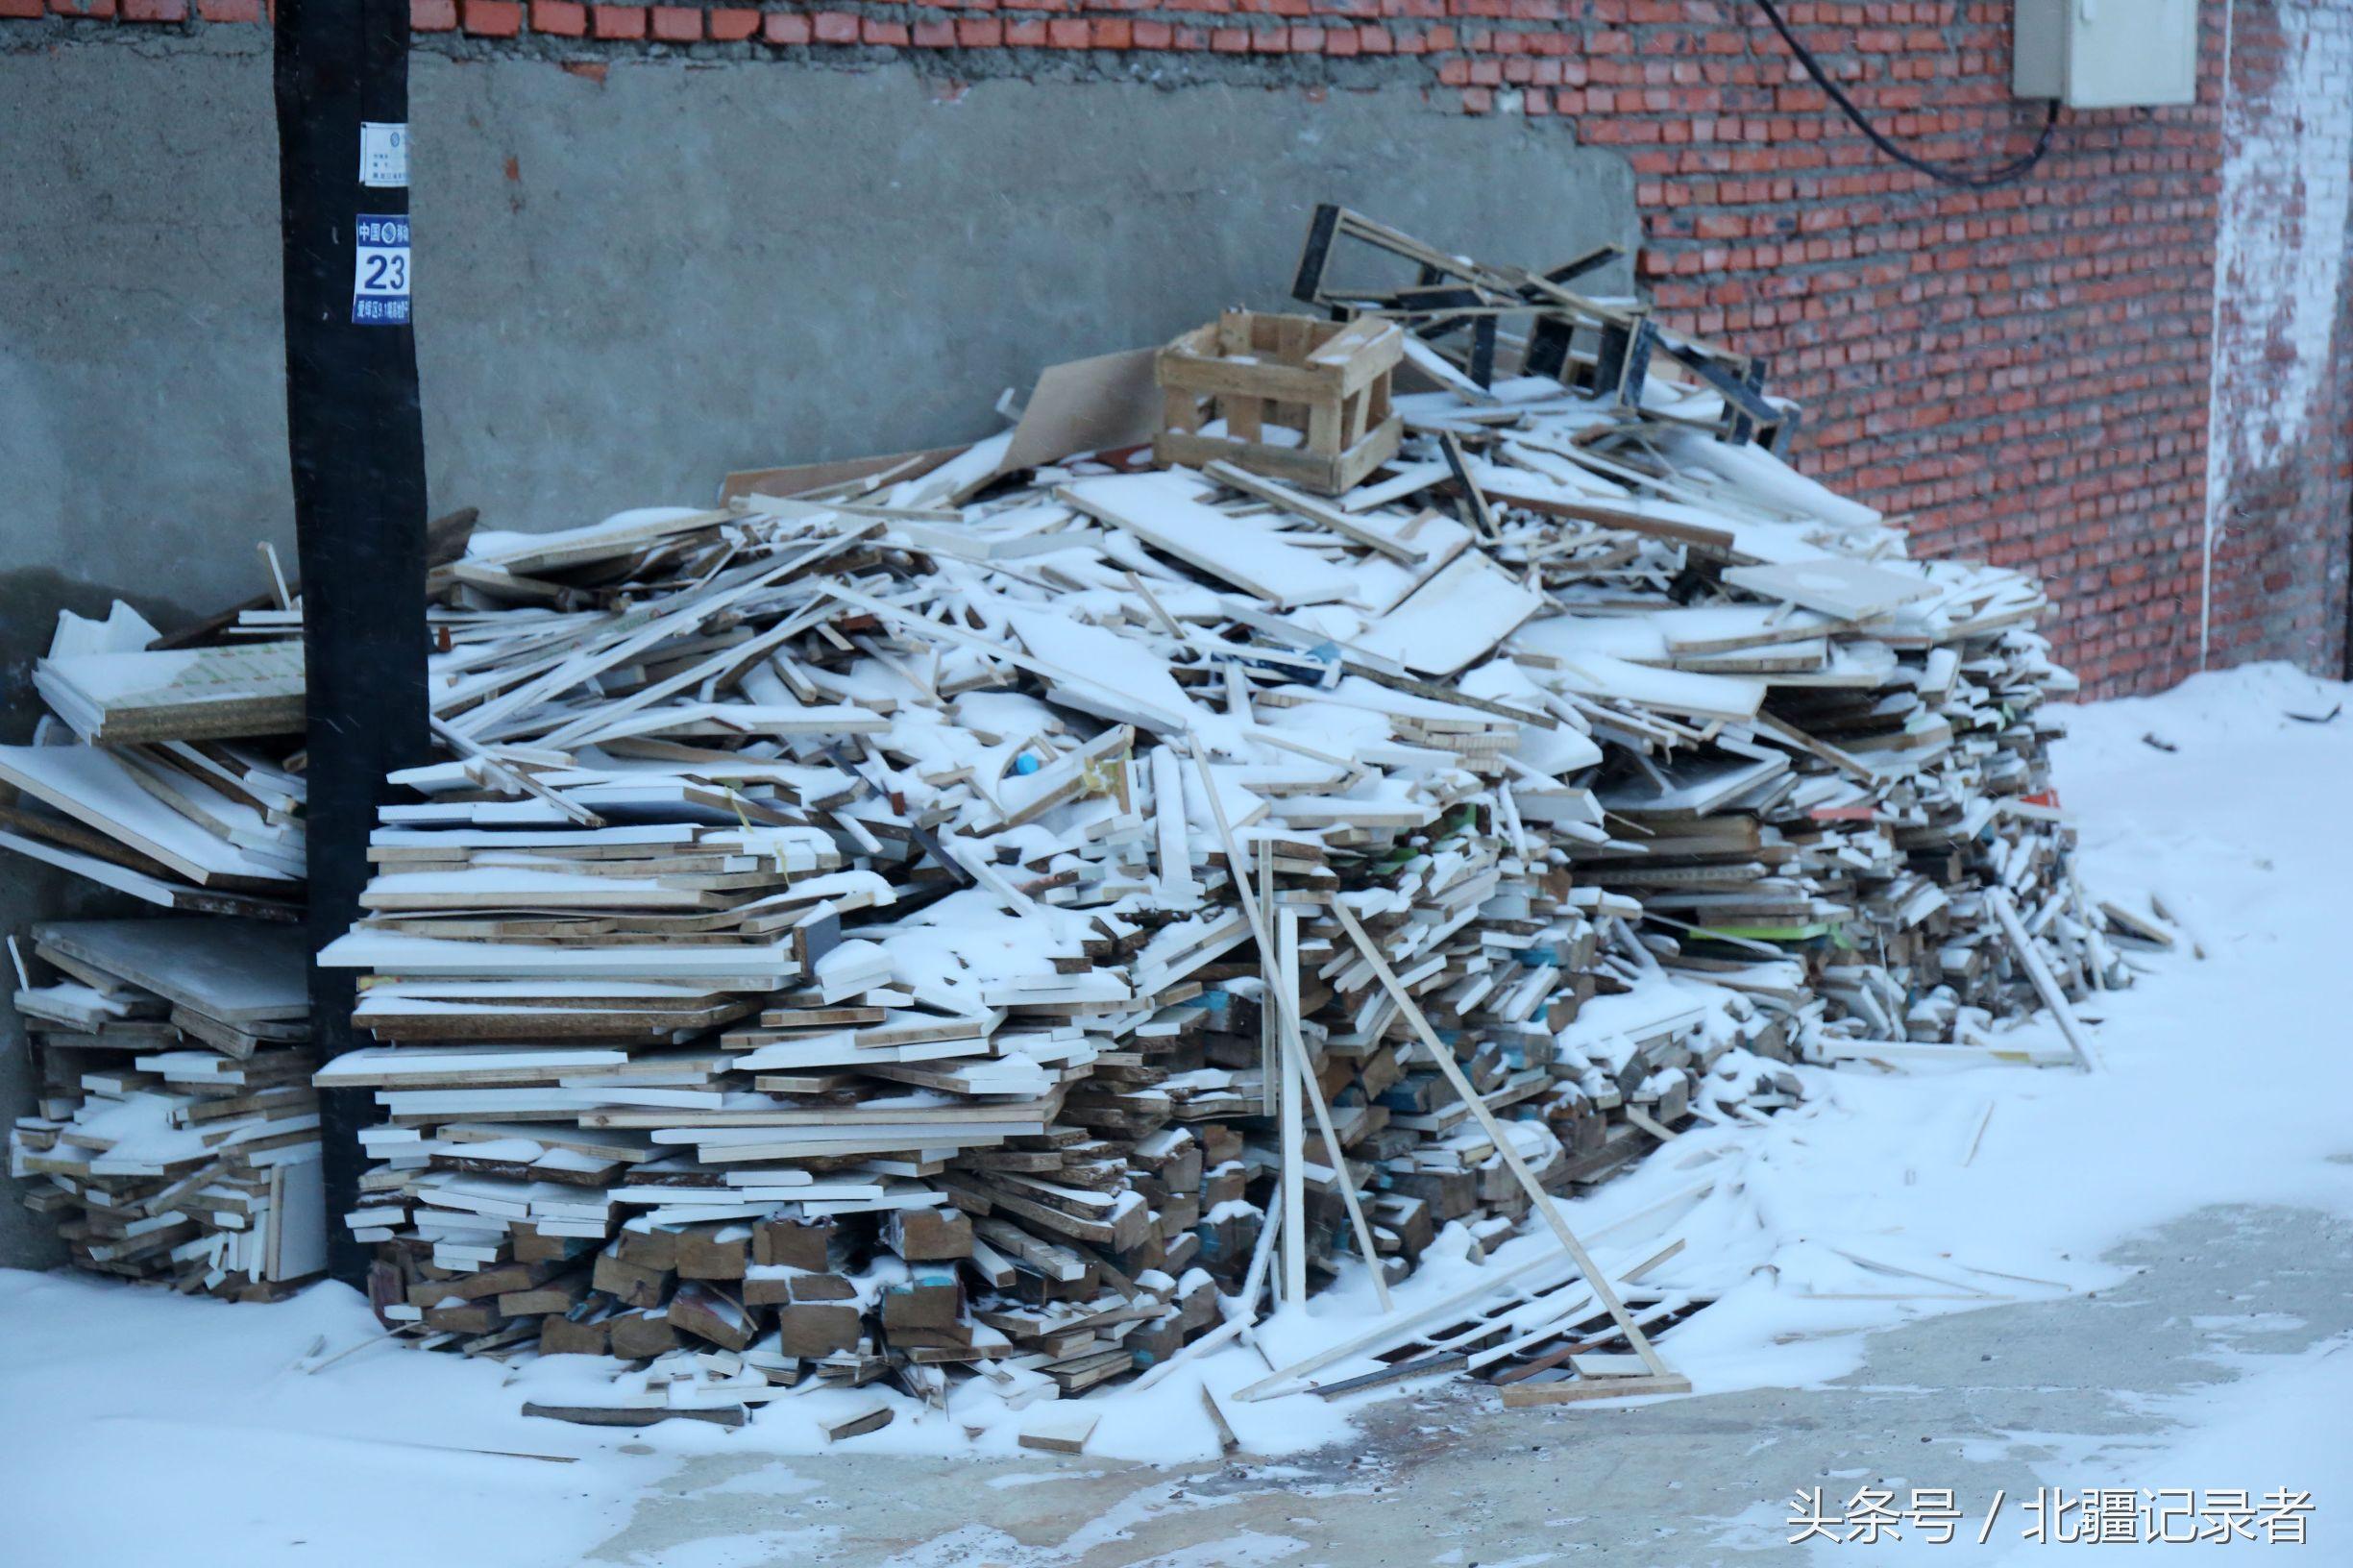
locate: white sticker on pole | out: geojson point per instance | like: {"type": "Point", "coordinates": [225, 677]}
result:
{"type": "Point", "coordinates": [379, 283]}
{"type": "Point", "coordinates": [384, 155]}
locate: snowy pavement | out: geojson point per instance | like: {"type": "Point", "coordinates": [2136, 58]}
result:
{"type": "Point", "coordinates": [2005, 1278]}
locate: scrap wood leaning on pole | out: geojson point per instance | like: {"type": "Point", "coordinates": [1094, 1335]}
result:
{"type": "Point", "coordinates": [356, 445]}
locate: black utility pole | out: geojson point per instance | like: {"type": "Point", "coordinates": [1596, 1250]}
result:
{"type": "Point", "coordinates": [358, 454]}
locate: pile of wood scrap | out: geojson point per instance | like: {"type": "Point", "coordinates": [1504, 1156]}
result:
{"type": "Point", "coordinates": [998, 912]}
{"type": "Point", "coordinates": [177, 1136]}
{"type": "Point", "coordinates": [865, 952]}
{"type": "Point", "coordinates": [168, 778]}
{"type": "Point", "coordinates": [958, 919]}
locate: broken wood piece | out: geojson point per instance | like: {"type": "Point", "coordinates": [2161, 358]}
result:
{"type": "Point", "coordinates": [1062, 1427]}
{"type": "Point", "coordinates": [1574, 1390]}
{"type": "Point", "coordinates": [872, 1418]}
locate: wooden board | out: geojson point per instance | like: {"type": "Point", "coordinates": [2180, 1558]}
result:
{"type": "Point", "coordinates": [187, 695]}
{"type": "Point", "coordinates": [1573, 1390]}
{"type": "Point", "coordinates": [238, 971]}
{"type": "Point", "coordinates": [94, 787]}
{"type": "Point", "coordinates": [1836, 585]}
{"type": "Point", "coordinates": [1455, 619]}
{"type": "Point", "coordinates": [1166, 512]}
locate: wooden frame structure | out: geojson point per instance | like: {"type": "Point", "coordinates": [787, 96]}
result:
{"type": "Point", "coordinates": [1606, 346]}
{"type": "Point", "coordinates": [1328, 380]}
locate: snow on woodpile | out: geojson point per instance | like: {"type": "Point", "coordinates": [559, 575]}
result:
{"type": "Point", "coordinates": [954, 923]}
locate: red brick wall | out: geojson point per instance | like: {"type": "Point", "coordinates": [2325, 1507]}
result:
{"type": "Point", "coordinates": [2022, 370]}
{"type": "Point", "coordinates": [2025, 371]}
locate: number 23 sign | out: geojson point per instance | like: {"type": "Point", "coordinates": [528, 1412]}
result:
{"type": "Point", "coordinates": [379, 281]}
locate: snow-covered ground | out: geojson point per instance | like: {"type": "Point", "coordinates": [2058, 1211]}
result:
{"type": "Point", "coordinates": [140, 1428]}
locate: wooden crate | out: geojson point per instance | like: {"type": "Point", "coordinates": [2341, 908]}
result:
{"type": "Point", "coordinates": [1327, 381]}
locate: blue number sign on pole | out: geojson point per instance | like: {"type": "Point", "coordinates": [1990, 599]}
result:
{"type": "Point", "coordinates": [379, 285]}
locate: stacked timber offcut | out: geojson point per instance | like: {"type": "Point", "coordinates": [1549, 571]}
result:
{"type": "Point", "coordinates": [163, 775]}
{"type": "Point", "coordinates": [175, 1136]}
{"type": "Point", "coordinates": [178, 1136]}
{"type": "Point", "coordinates": [1820, 771]}
{"type": "Point", "coordinates": [960, 912]}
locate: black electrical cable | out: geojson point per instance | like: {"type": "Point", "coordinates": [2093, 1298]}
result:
{"type": "Point", "coordinates": [1943, 173]}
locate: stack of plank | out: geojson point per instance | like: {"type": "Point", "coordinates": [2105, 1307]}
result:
{"type": "Point", "coordinates": [1821, 754]}
{"type": "Point", "coordinates": [176, 1134]}
{"type": "Point", "coordinates": [167, 779]}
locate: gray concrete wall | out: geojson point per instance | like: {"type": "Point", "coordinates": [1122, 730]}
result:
{"type": "Point", "coordinates": [628, 287]}
{"type": "Point", "coordinates": [806, 264]}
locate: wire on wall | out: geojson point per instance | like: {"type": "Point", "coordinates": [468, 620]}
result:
{"type": "Point", "coordinates": [1943, 173]}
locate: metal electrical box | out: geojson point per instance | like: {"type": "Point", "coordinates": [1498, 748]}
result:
{"type": "Point", "coordinates": [2106, 54]}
